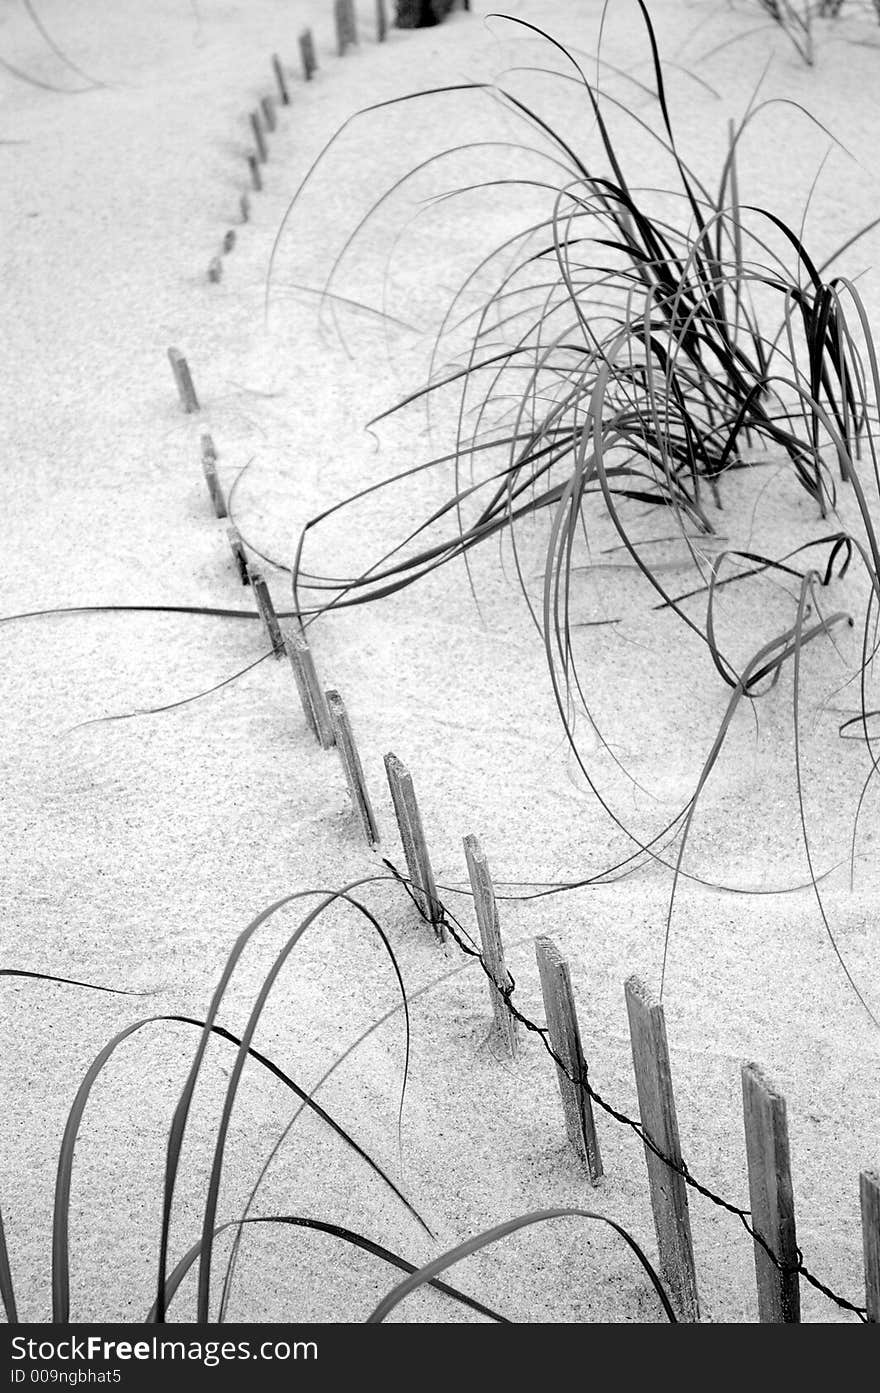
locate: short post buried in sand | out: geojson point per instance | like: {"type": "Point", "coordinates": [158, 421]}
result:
{"type": "Point", "coordinates": [650, 1054]}
{"type": "Point", "coordinates": [267, 611]}
{"type": "Point", "coordinates": [215, 269]}
{"type": "Point", "coordinates": [244, 207]}
{"type": "Point", "coordinates": [209, 468]}
{"type": "Point", "coordinates": [256, 176]}
{"type": "Point", "coordinates": [415, 848]}
{"type": "Point", "coordinates": [381, 22]}
{"type": "Point", "coordinates": [351, 764]}
{"type": "Point", "coordinates": [346, 25]}
{"type": "Point", "coordinates": [259, 138]}
{"type": "Point", "coordinates": [267, 106]}
{"type": "Point", "coordinates": [283, 93]}
{"type": "Point", "coordinates": [187, 392]}
{"type": "Point", "coordinates": [311, 693]}
{"type": "Point", "coordinates": [236, 546]}
{"type": "Point", "coordinates": [228, 242]}
{"type": "Point", "coordinates": [565, 1041]}
{"type": "Point", "coordinates": [771, 1199]}
{"type": "Point", "coordinates": [869, 1187]}
{"type": "Point", "coordinates": [490, 937]}
{"type": "Point", "coordinates": [307, 54]}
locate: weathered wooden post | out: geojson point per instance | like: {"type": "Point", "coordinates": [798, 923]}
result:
{"type": "Point", "coordinates": [267, 107]}
{"type": "Point", "coordinates": [672, 1224]}
{"type": "Point", "coordinates": [311, 693]}
{"type": "Point", "coordinates": [415, 848]}
{"type": "Point", "coordinates": [571, 1068]}
{"type": "Point", "coordinates": [185, 389]}
{"type": "Point", "coordinates": [486, 910]}
{"type": "Point", "coordinates": [346, 25]}
{"type": "Point", "coordinates": [307, 54]}
{"type": "Point", "coordinates": [209, 469]}
{"type": "Point", "coordinates": [267, 610]}
{"type": "Point", "coordinates": [869, 1186]}
{"type": "Point", "coordinates": [771, 1198]}
{"type": "Point", "coordinates": [236, 546]}
{"type": "Point", "coordinates": [351, 764]}
{"type": "Point", "coordinates": [259, 138]}
{"type": "Point", "coordinates": [277, 68]}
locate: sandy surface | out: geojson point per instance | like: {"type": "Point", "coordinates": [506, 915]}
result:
{"type": "Point", "coordinates": [138, 849]}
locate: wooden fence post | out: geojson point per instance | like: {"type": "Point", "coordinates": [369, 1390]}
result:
{"type": "Point", "coordinates": [565, 1040]}
{"type": "Point", "coordinates": [244, 207]}
{"type": "Point", "coordinates": [415, 848]}
{"type": "Point", "coordinates": [267, 106]}
{"type": "Point", "coordinates": [283, 93]}
{"type": "Point", "coordinates": [771, 1198]}
{"type": "Point", "coordinates": [209, 468]}
{"type": "Point", "coordinates": [236, 546]}
{"type": "Point", "coordinates": [869, 1186]}
{"type": "Point", "coordinates": [307, 54]}
{"type": "Point", "coordinates": [346, 25]}
{"type": "Point", "coordinates": [259, 138]}
{"type": "Point", "coordinates": [650, 1053]}
{"type": "Point", "coordinates": [351, 764]}
{"type": "Point", "coordinates": [381, 22]}
{"type": "Point", "coordinates": [490, 937]}
{"type": "Point", "coordinates": [267, 610]}
{"type": "Point", "coordinates": [185, 389]}
{"type": "Point", "coordinates": [311, 693]}
{"type": "Point", "coordinates": [254, 167]}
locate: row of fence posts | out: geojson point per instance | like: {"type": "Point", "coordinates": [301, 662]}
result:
{"type": "Point", "coordinates": [263, 119]}
{"type": "Point", "coordinates": [771, 1198]}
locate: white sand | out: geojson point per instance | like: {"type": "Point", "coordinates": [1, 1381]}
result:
{"type": "Point", "coordinates": [139, 849]}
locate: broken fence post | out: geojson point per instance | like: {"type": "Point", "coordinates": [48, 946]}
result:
{"type": "Point", "coordinates": [869, 1187]}
{"type": "Point", "coordinates": [307, 54]}
{"type": "Point", "coordinates": [650, 1054]}
{"type": "Point", "coordinates": [415, 849]}
{"type": "Point", "coordinates": [351, 764]}
{"type": "Point", "coordinates": [346, 25]}
{"type": "Point", "coordinates": [281, 80]}
{"type": "Point", "coordinates": [311, 693]}
{"type": "Point", "coordinates": [490, 937]}
{"type": "Point", "coordinates": [267, 610]}
{"type": "Point", "coordinates": [209, 468]}
{"type": "Point", "coordinates": [236, 546]}
{"type": "Point", "coordinates": [228, 241]}
{"type": "Point", "coordinates": [244, 205]}
{"type": "Point", "coordinates": [565, 1040]}
{"type": "Point", "coordinates": [187, 392]}
{"type": "Point", "coordinates": [256, 176]}
{"type": "Point", "coordinates": [771, 1199]}
{"type": "Point", "coordinates": [215, 269]}
{"type": "Point", "coordinates": [259, 138]}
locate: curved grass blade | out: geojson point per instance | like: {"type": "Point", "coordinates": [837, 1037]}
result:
{"type": "Point", "coordinates": [253, 1020]}
{"type": "Point", "coordinates": [490, 1236]}
{"type": "Point", "coordinates": [7, 1288]}
{"type": "Point", "coordinates": [356, 1240]}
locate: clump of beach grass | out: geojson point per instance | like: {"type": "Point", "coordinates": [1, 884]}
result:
{"type": "Point", "coordinates": [632, 360]}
